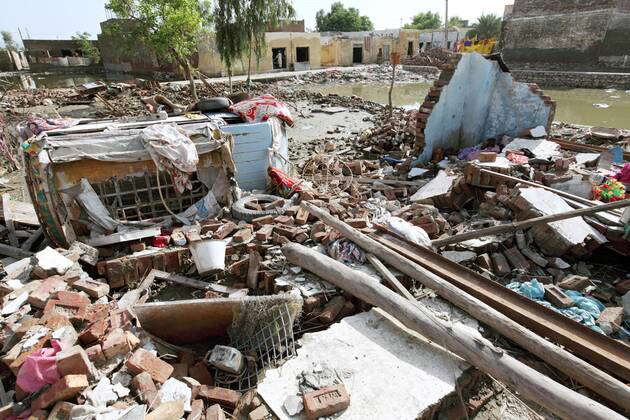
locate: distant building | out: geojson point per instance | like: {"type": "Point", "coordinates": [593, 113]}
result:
{"type": "Point", "coordinates": [434, 38]}
{"type": "Point", "coordinates": [568, 31]}
{"type": "Point", "coordinates": [50, 53]}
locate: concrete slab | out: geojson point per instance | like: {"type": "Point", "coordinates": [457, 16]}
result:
{"type": "Point", "coordinates": [389, 371]}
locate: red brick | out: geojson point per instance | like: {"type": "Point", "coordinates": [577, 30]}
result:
{"type": "Point", "coordinates": [284, 220]}
{"type": "Point", "coordinates": [116, 343]}
{"type": "Point", "coordinates": [64, 389]}
{"type": "Point", "coordinates": [286, 231]}
{"type": "Point", "coordinates": [200, 372]}
{"type": "Point", "coordinates": [578, 283]}
{"type": "Point", "coordinates": [74, 361]}
{"type": "Point", "coordinates": [259, 413]}
{"type": "Point", "coordinates": [501, 264]}
{"type": "Point", "coordinates": [264, 234]}
{"type": "Point", "coordinates": [223, 396]}
{"type": "Point", "coordinates": [610, 319]}
{"type": "Point", "coordinates": [487, 157]}
{"type": "Point", "coordinates": [242, 235]}
{"type": "Point", "coordinates": [557, 297]}
{"type": "Point", "coordinates": [95, 354]}
{"type": "Point", "coordinates": [143, 361]}
{"type": "Point", "coordinates": [121, 319]}
{"type": "Point", "coordinates": [74, 298]}
{"type": "Point", "coordinates": [93, 288]}
{"type": "Point", "coordinates": [144, 387]}
{"type": "Point", "coordinates": [302, 216]}
{"type": "Point", "coordinates": [357, 223]}
{"type": "Point", "coordinates": [332, 309]}
{"type": "Point", "coordinates": [260, 221]}
{"type": "Point", "coordinates": [224, 230]}
{"type": "Point", "coordinates": [45, 290]}
{"type": "Point", "coordinates": [326, 401]}
{"type": "Point", "coordinates": [274, 204]}
{"type": "Point", "coordinates": [6, 411]}
{"type": "Point", "coordinates": [94, 332]}
{"type": "Point", "coordinates": [75, 312]}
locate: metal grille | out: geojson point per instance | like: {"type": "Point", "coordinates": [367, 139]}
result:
{"type": "Point", "coordinates": [137, 198]}
{"type": "Point", "coordinates": [270, 347]}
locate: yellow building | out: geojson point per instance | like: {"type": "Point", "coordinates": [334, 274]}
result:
{"type": "Point", "coordinates": [288, 51]}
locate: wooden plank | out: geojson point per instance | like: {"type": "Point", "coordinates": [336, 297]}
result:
{"type": "Point", "coordinates": [8, 221]}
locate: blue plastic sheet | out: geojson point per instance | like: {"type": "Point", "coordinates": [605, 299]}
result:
{"type": "Point", "coordinates": [585, 309]}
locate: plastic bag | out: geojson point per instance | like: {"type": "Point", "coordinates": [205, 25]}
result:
{"type": "Point", "coordinates": [262, 108]}
{"type": "Point", "coordinates": [410, 232]}
{"type": "Point", "coordinates": [530, 289]}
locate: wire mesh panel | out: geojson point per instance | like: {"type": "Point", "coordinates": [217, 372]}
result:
{"type": "Point", "coordinates": [137, 197]}
{"type": "Point", "coordinates": [268, 348]}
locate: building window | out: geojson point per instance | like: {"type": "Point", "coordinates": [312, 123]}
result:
{"type": "Point", "coordinates": [410, 48]}
{"type": "Point", "coordinates": [301, 54]}
{"type": "Point", "coordinates": [421, 45]}
{"type": "Point", "coordinates": [449, 45]}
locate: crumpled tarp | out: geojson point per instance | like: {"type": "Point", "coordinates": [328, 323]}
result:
{"type": "Point", "coordinates": [39, 369]}
{"type": "Point", "coordinates": [585, 309]}
{"type": "Point", "coordinates": [260, 109]}
{"type": "Point", "coordinates": [172, 150]}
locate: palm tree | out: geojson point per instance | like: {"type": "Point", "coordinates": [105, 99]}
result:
{"type": "Point", "coordinates": [486, 27]}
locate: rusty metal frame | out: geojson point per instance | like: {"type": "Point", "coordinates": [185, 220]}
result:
{"type": "Point", "coordinates": [605, 352]}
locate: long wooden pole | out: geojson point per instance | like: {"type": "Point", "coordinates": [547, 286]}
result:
{"type": "Point", "coordinates": [458, 338]}
{"type": "Point", "coordinates": [596, 380]}
{"type": "Point", "coordinates": [514, 226]}
{"type": "Point", "coordinates": [563, 194]}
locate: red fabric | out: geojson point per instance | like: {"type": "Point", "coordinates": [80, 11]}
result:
{"type": "Point", "coordinates": [160, 241]}
{"type": "Point", "coordinates": [262, 108]}
{"type": "Point", "coordinates": [39, 369]}
{"type": "Point", "coordinates": [624, 175]}
{"type": "Point", "coordinates": [282, 181]}
{"type": "Point", "coordinates": [517, 158]}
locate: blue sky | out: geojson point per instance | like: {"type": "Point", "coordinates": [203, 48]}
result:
{"type": "Point", "coordinates": [59, 19]}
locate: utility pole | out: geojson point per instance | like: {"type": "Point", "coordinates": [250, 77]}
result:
{"type": "Point", "coordinates": [446, 26]}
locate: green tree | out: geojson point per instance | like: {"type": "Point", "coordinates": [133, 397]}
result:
{"type": "Point", "coordinates": [88, 48]}
{"type": "Point", "coordinates": [9, 43]}
{"type": "Point", "coordinates": [425, 20]}
{"type": "Point", "coordinates": [340, 19]}
{"type": "Point", "coordinates": [171, 28]}
{"type": "Point", "coordinates": [259, 16]}
{"type": "Point", "coordinates": [455, 22]}
{"type": "Point", "coordinates": [231, 37]}
{"type": "Point", "coordinates": [486, 27]}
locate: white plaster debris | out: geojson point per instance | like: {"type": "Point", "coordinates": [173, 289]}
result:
{"type": "Point", "coordinates": [389, 371]}
{"type": "Point", "coordinates": [52, 262]}
{"type": "Point", "coordinates": [174, 390]}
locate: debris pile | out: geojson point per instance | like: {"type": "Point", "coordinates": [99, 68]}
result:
{"type": "Point", "coordinates": [432, 57]}
{"type": "Point", "coordinates": [176, 262]}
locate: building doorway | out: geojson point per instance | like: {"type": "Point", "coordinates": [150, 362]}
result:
{"type": "Point", "coordinates": [410, 49]}
{"type": "Point", "coordinates": [279, 57]}
{"type": "Point", "coordinates": [386, 53]}
{"type": "Point", "coordinates": [357, 55]}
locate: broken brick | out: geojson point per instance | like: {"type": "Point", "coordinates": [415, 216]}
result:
{"type": "Point", "coordinates": [116, 343]}
{"type": "Point", "coordinates": [223, 396]}
{"type": "Point", "coordinates": [610, 320]}
{"type": "Point", "coordinates": [264, 234]}
{"type": "Point", "coordinates": [301, 216]}
{"type": "Point", "coordinates": [144, 387]}
{"type": "Point", "coordinates": [199, 371]}
{"type": "Point", "coordinates": [215, 412]}
{"type": "Point", "coordinates": [357, 223]}
{"type": "Point", "coordinates": [74, 361]}
{"type": "Point", "coordinates": [93, 288]}
{"type": "Point", "coordinates": [73, 298]}
{"type": "Point", "coordinates": [574, 282]}
{"type": "Point", "coordinates": [500, 263]}
{"type": "Point", "coordinates": [286, 231]}
{"type": "Point", "coordinates": [94, 332]}
{"type": "Point", "coordinates": [144, 361]}
{"type": "Point", "coordinates": [224, 230]}
{"type": "Point", "coordinates": [264, 220]}
{"type": "Point", "coordinates": [64, 389]}
{"type": "Point", "coordinates": [242, 235]}
{"type": "Point", "coordinates": [95, 354]}
{"type": "Point", "coordinates": [332, 309]}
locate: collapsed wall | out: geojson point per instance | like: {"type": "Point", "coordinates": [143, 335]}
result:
{"type": "Point", "coordinates": [475, 100]}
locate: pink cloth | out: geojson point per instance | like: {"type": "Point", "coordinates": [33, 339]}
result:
{"type": "Point", "coordinates": [262, 108]}
{"type": "Point", "coordinates": [39, 369]}
{"type": "Point", "coordinates": [624, 175]}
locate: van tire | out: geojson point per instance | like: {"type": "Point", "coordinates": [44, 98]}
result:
{"type": "Point", "coordinates": [239, 211]}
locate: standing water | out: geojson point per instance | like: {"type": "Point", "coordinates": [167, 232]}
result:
{"type": "Point", "coordinates": [575, 106]}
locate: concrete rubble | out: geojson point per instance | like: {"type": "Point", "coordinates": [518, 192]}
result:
{"type": "Point", "coordinates": [105, 315]}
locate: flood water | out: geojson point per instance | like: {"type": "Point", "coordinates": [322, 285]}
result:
{"type": "Point", "coordinates": [573, 105]}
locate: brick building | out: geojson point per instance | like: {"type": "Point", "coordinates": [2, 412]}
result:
{"type": "Point", "coordinates": [568, 31]}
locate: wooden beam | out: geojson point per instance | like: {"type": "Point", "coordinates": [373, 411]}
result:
{"type": "Point", "coordinates": [568, 363]}
{"type": "Point", "coordinates": [514, 226]}
{"type": "Point", "coordinates": [455, 337]}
